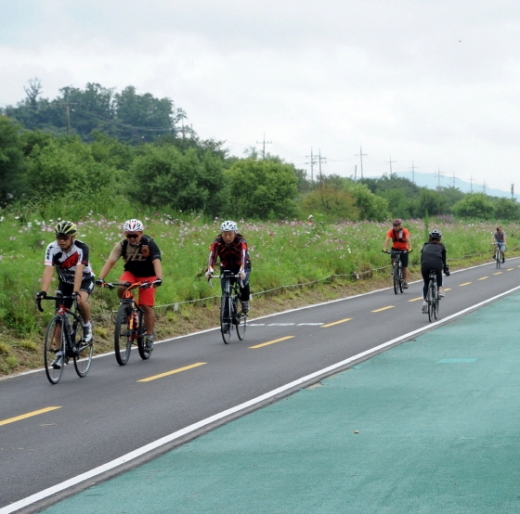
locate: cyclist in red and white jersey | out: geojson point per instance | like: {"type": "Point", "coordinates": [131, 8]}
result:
{"type": "Point", "coordinates": [70, 257]}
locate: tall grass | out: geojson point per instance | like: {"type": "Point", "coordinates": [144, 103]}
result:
{"type": "Point", "coordinates": [283, 253]}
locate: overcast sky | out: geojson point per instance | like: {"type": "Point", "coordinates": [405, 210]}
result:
{"type": "Point", "coordinates": [433, 83]}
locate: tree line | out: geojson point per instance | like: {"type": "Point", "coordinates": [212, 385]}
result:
{"type": "Point", "coordinates": [109, 148]}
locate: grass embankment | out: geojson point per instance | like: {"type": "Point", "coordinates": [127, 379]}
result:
{"type": "Point", "coordinates": [333, 260]}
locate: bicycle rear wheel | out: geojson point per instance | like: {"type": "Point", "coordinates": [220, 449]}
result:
{"type": "Point", "coordinates": [83, 358]}
{"type": "Point", "coordinates": [240, 322]}
{"type": "Point", "coordinates": [225, 318]}
{"type": "Point", "coordinates": [401, 277]}
{"type": "Point", "coordinates": [430, 300]}
{"type": "Point", "coordinates": [54, 342]}
{"type": "Point", "coordinates": [122, 335]}
{"type": "Point", "coordinates": [144, 351]}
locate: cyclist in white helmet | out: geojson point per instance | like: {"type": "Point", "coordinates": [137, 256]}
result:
{"type": "Point", "coordinates": [230, 248]}
{"type": "Point", "coordinates": [142, 263]}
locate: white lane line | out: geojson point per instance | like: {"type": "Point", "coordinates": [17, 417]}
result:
{"type": "Point", "coordinates": [233, 410]}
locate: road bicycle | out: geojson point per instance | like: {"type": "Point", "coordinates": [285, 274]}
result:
{"type": "Point", "coordinates": [230, 317]}
{"type": "Point", "coordinates": [432, 295]}
{"type": "Point", "coordinates": [64, 334]}
{"type": "Point", "coordinates": [129, 327]}
{"type": "Point", "coordinates": [397, 270]}
{"type": "Point", "coordinates": [498, 255]}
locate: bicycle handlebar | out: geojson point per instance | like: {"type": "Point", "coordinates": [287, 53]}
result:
{"type": "Point", "coordinates": [58, 297]}
{"type": "Point", "coordinates": [130, 285]}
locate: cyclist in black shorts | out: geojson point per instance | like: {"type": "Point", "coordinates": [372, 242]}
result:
{"type": "Point", "coordinates": [70, 257]}
{"type": "Point", "coordinates": [433, 256]}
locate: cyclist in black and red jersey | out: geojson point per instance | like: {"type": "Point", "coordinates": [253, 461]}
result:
{"type": "Point", "coordinates": [230, 248]}
{"type": "Point", "coordinates": [70, 257]}
{"type": "Point", "coordinates": [142, 264]}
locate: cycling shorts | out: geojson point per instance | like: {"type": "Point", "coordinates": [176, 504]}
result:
{"type": "Point", "coordinates": [146, 296]}
{"type": "Point", "coordinates": [502, 246]}
{"type": "Point", "coordinates": [404, 256]}
{"type": "Point", "coordinates": [67, 289]}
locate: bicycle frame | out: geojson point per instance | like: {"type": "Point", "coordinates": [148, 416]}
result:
{"type": "Point", "coordinates": [432, 295]}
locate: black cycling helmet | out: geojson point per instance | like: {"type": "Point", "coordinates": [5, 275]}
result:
{"type": "Point", "coordinates": [435, 235]}
{"type": "Point", "coordinates": [65, 228]}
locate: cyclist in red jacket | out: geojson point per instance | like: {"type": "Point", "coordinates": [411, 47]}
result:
{"type": "Point", "coordinates": [230, 248]}
{"type": "Point", "coordinates": [400, 238]}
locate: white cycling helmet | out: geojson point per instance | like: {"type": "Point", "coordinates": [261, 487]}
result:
{"type": "Point", "coordinates": [228, 226]}
{"type": "Point", "coordinates": [435, 235]}
{"type": "Point", "coordinates": [133, 225]}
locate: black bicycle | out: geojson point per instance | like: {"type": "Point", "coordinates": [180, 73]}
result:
{"type": "Point", "coordinates": [397, 270]}
{"type": "Point", "coordinates": [230, 317]}
{"type": "Point", "coordinates": [498, 255]}
{"type": "Point", "coordinates": [432, 295]}
{"type": "Point", "coordinates": [63, 340]}
{"type": "Point", "coordinates": [129, 327]}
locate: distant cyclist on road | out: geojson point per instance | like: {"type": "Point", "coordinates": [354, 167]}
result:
{"type": "Point", "coordinates": [433, 256]}
{"type": "Point", "coordinates": [230, 248]}
{"type": "Point", "coordinates": [70, 257]}
{"type": "Point", "coordinates": [499, 239]}
{"type": "Point", "coordinates": [142, 264]}
{"type": "Point", "coordinates": [400, 238]}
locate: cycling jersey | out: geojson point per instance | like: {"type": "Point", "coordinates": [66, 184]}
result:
{"type": "Point", "coordinates": [232, 256]}
{"type": "Point", "coordinates": [138, 258]}
{"type": "Point", "coordinates": [65, 262]}
{"type": "Point", "coordinates": [400, 238]}
{"type": "Point", "coordinates": [433, 255]}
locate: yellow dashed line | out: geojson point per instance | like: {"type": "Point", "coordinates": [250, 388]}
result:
{"type": "Point", "coordinates": [335, 323]}
{"type": "Point", "coordinates": [498, 273]}
{"type": "Point", "coordinates": [28, 415]}
{"type": "Point", "coordinates": [384, 308]}
{"type": "Point", "coordinates": [272, 342]}
{"type": "Point", "coordinates": [465, 284]}
{"type": "Point", "coordinates": [415, 299]}
{"type": "Point", "coordinates": [168, 373]}
{"type": "Point", "coordinates": [510, 269]}
{"type": "Point", "coordinates": [483, 278]}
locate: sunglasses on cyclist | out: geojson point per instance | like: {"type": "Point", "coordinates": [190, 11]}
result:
{"type": "Point", "coordinates": [63, 238]}
{"type": "Point", "coordinates": [132, 236]}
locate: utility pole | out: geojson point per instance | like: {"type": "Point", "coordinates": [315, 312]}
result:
{"type": "Point", "coordinates": [67, 113]}
{"type": "Point", "coordinates": [439, 175]}
{"type": "Point", "coordinates": [390, 162]}
{"type": "Point", "coordinates": [413, 173]}
{"type": "Point", "coordinates": [263, 143]}
{"type": "Point", "coordinates": [453, 180]}
{"type": "Point", "coordinates": [484, 187]}
{"type": "Point", "coordinates": [471, 184]}
{"type": "Point", "coordinates": [361, 154]}
{"type": "Point", "coordinates": [320, 160]}
{"type": "Point", "coordinates": [512, 191]}
{"type": "Point", "coordinates": [312, 163]}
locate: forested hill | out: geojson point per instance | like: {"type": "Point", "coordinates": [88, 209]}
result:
{"type": "Point", "coordinates": [127, 116]}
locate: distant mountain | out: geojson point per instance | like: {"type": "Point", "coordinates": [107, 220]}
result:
{"type": "Point", "coordinates": [433, 181]}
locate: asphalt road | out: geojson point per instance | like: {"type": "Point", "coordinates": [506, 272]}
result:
{"type": "Point", "coordinates": [112, 412]}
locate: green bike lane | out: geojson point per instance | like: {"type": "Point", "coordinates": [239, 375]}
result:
{"type": "Point", "coordinates": [429, 426]}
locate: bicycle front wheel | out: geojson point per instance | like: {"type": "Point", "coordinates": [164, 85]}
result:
{"type": "Point", "coordinates": [144, 351]}
{"type": "Point", "coordinates": [396, 278]}
{"type": "Point", "coordinates": [54, 343]}
{"type": "Point", "coordinates": [122, 335]}
{"type": "Point", "coordinates": [240, 323]}
{"type": "Point", "coordinates": [83, 358]}
{"type": "Point", "coordinates": [225, 318]}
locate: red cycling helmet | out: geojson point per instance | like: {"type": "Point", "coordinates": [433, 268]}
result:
{"type": "Point", "coordinates": [397, 222]}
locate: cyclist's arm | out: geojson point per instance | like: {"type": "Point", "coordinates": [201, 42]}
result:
{"type": "Point", "coordinates": [78, 277]}
{"type": "Point", "coordinates": [157, 266]}
{"type": "Point", "coordinates": [386, 243]}
{"type": "Point", "coordinates": [212, 259]}
{"type": "Point", "coordinates": [47, 278]}
{"type": "Point", "coordinates": [109, 264]}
